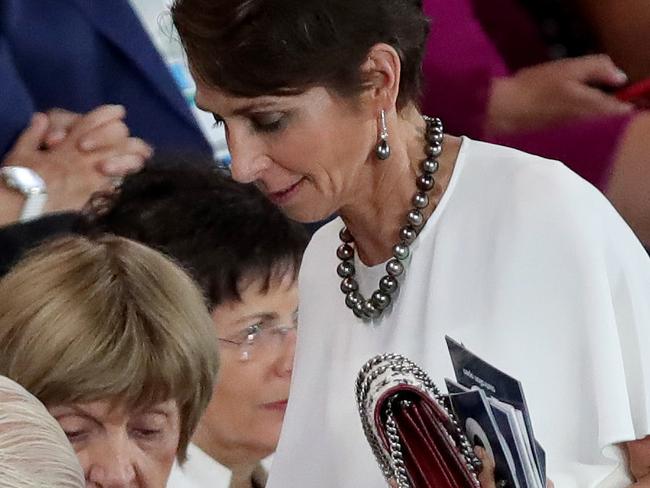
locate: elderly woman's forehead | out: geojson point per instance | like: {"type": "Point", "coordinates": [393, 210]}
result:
{"type": "Point", "coordinates": [115, 407]}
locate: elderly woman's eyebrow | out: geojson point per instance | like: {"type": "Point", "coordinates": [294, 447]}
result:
{"type": "Point", "coordinates": [88, 420]}
{"type": "Point", "coordinates": [74, 411]}
{"type": "Point", "coordinates": [58, 411]}
{"type": "Point", "coordinates": [259, 316]}
{"type": "Point", "coordinates": [164, 410]}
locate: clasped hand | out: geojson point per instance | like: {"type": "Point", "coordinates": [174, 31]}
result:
{"type": "Point", "coordinates": [78, 155]}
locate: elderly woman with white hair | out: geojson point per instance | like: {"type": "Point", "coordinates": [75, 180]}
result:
{"type": "Point", "coordinates": [34, 451]}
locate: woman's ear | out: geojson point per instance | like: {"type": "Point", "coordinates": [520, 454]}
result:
{"type": "Point", "coordinates": [381, 72]}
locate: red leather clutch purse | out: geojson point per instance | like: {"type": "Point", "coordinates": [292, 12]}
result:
{"type": "Point", "coordinates": [413, 434]}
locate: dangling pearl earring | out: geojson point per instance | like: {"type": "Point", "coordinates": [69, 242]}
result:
{"type": "Point", "coordinates": [383, 149]}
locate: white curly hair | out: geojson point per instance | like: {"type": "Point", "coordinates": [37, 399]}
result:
{"type": "Point", "coordinates": [34, 451]}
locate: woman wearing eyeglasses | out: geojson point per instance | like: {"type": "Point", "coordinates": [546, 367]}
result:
{"type": "Point", "coordinates": [242, 423]}
{"type": "Point", "coordinates": [244, 254]}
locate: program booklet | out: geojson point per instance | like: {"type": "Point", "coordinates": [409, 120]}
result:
{"type": "Point", "coordinates": [491, 407]}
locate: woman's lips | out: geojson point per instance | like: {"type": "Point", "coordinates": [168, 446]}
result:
{"type": "Point", "coordinates": [280, 406]}
{"type": "Point", "coordinates": [283, 196]}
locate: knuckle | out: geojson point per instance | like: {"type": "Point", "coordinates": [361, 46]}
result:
{"type": "Point", "coordinates": [601, 60]}
{"type": "Point", "coordinates": [138, 145]}
{"type": "Point", "coordinates": [119, 130]}
{"type": "Point", "coordinates": [57, 112]}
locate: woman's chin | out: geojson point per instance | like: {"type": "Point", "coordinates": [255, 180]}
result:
{"type": "Point", "coordinates": [309, 215]}
{"type": "Point", "coordinates": [262, 448]}
{"type": "Point", "coordinates": [303, 204]}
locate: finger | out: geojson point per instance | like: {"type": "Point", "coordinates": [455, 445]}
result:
{"type": "Point", "coordinates": [592, 101]}
{"type": "Point", "coordinates": [32, 137]}
{"type": "Point", "coordinates": [119, 166]}
{"type": "Point", "coordinates": [95, 119]}
{"type": "Point", "coordinates": [54, 137]}
{"type": "Point", "coordinates": [638, 452]}
{"type": "Point", "coordinates": [104, 136]}
{"type": "Point", "coordinates": [129, 157]}
{"type": "Point", "coordinates": [642, 483]}
{"type": "Point", "coordinates": [135, 145]}
{"type": "Point", "coordinates": [60, 123]}
{"type": "Point", "coordinates": [598, 69]}
{"type": "Point", "coordinates": [61, 118]}
{"type": "Point", "coordinates": [486, 476]}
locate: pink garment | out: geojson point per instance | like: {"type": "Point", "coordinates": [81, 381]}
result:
{"type": "Point", "coordinates": [459, 64]}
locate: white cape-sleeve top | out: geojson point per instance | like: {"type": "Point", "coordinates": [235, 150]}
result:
{"type": "Point", "coordinates": [533, 270]}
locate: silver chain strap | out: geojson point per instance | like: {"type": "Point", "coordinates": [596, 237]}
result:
{"type": "Point", "coordinates": [379, 374]}
{"type": "Point", "coordinates": [395, 448]}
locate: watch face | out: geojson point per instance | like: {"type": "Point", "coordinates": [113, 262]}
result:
{"type": "Point", "coordinates": [23, 179]}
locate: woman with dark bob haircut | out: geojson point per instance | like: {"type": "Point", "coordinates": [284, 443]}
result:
{"type": "Point", "coordinates": [511, 254]}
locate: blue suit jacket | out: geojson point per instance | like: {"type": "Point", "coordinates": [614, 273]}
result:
{"type": "Point", "coordinates": [78, 54]}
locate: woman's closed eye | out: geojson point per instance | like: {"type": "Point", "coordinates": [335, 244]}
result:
{"type": "Point", "coordinates": [145, 433]}
{"type": "Point", "coordinates": [149, 426]}
{"type": "Point", "coordinates": [75, 435]}
{"type": "Point", "coordinates": [75, 428]}
{"type": "Point", "coordinates": [268, 121]}
{"type": "Point", "coordinates": [218, 121]}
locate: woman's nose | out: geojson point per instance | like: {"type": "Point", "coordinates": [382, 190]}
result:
{"type": "Point", "coordinates": [112, 463]}
{"type": "Point", "coordinates": [248, 159]}
{"type": "Point", "coordinates": [284, 364]}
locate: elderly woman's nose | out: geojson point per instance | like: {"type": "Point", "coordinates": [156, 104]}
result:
{"type": "Point", "coordinates": [113, 464]}
{"type": "Point", "coordinates": [248, 158]}
{"type": "Point", "coordinates": [284, 364]}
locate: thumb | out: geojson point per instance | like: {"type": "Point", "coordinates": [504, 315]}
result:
{"type": "Point", "coordinates": [61, 121]}
{"type": "Point", "coordinates": [486, 476]}
{"type": "Point", "coordinates": [33, 136]}
{"type": "Point", "coordinates": [599, 70]}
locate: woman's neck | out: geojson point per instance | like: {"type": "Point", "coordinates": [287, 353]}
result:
{"type": "Point", "coordinates": [385, 192]}
{"type": "Point", "coordinates": [248, 478]}
{"type": "Point", "coordinates": [238, 459]}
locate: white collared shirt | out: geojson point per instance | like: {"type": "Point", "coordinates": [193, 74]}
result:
{"type": "Point", "coordinates": [199, 471]}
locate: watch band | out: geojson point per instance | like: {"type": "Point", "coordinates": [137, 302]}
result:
{"type": "Point", "coordinates": [33, 207]}
{"type": "Point", "coordinates": [30, 185]}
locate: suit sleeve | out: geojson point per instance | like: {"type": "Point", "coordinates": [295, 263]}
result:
{"type": "Point", "coordinates": [16, 105]}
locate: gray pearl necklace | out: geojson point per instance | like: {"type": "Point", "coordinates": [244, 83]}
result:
{"type": "Point", "coordinates": [381, 298]}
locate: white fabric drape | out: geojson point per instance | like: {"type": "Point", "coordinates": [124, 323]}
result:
{"type": "Point", "coordinates": [533, 270]}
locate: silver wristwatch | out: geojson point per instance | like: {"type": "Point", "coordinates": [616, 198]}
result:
{"type": "Point", "coordinates": [30, 185]}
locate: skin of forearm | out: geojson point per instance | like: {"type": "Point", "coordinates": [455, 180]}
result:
{"type": "Point", "coordinates": [11, 204]}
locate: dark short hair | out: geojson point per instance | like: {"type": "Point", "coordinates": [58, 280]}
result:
{"type": "Point", "coordinates": [266, 47]}
{"type": "Point", "coordinates": [222, 232]}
